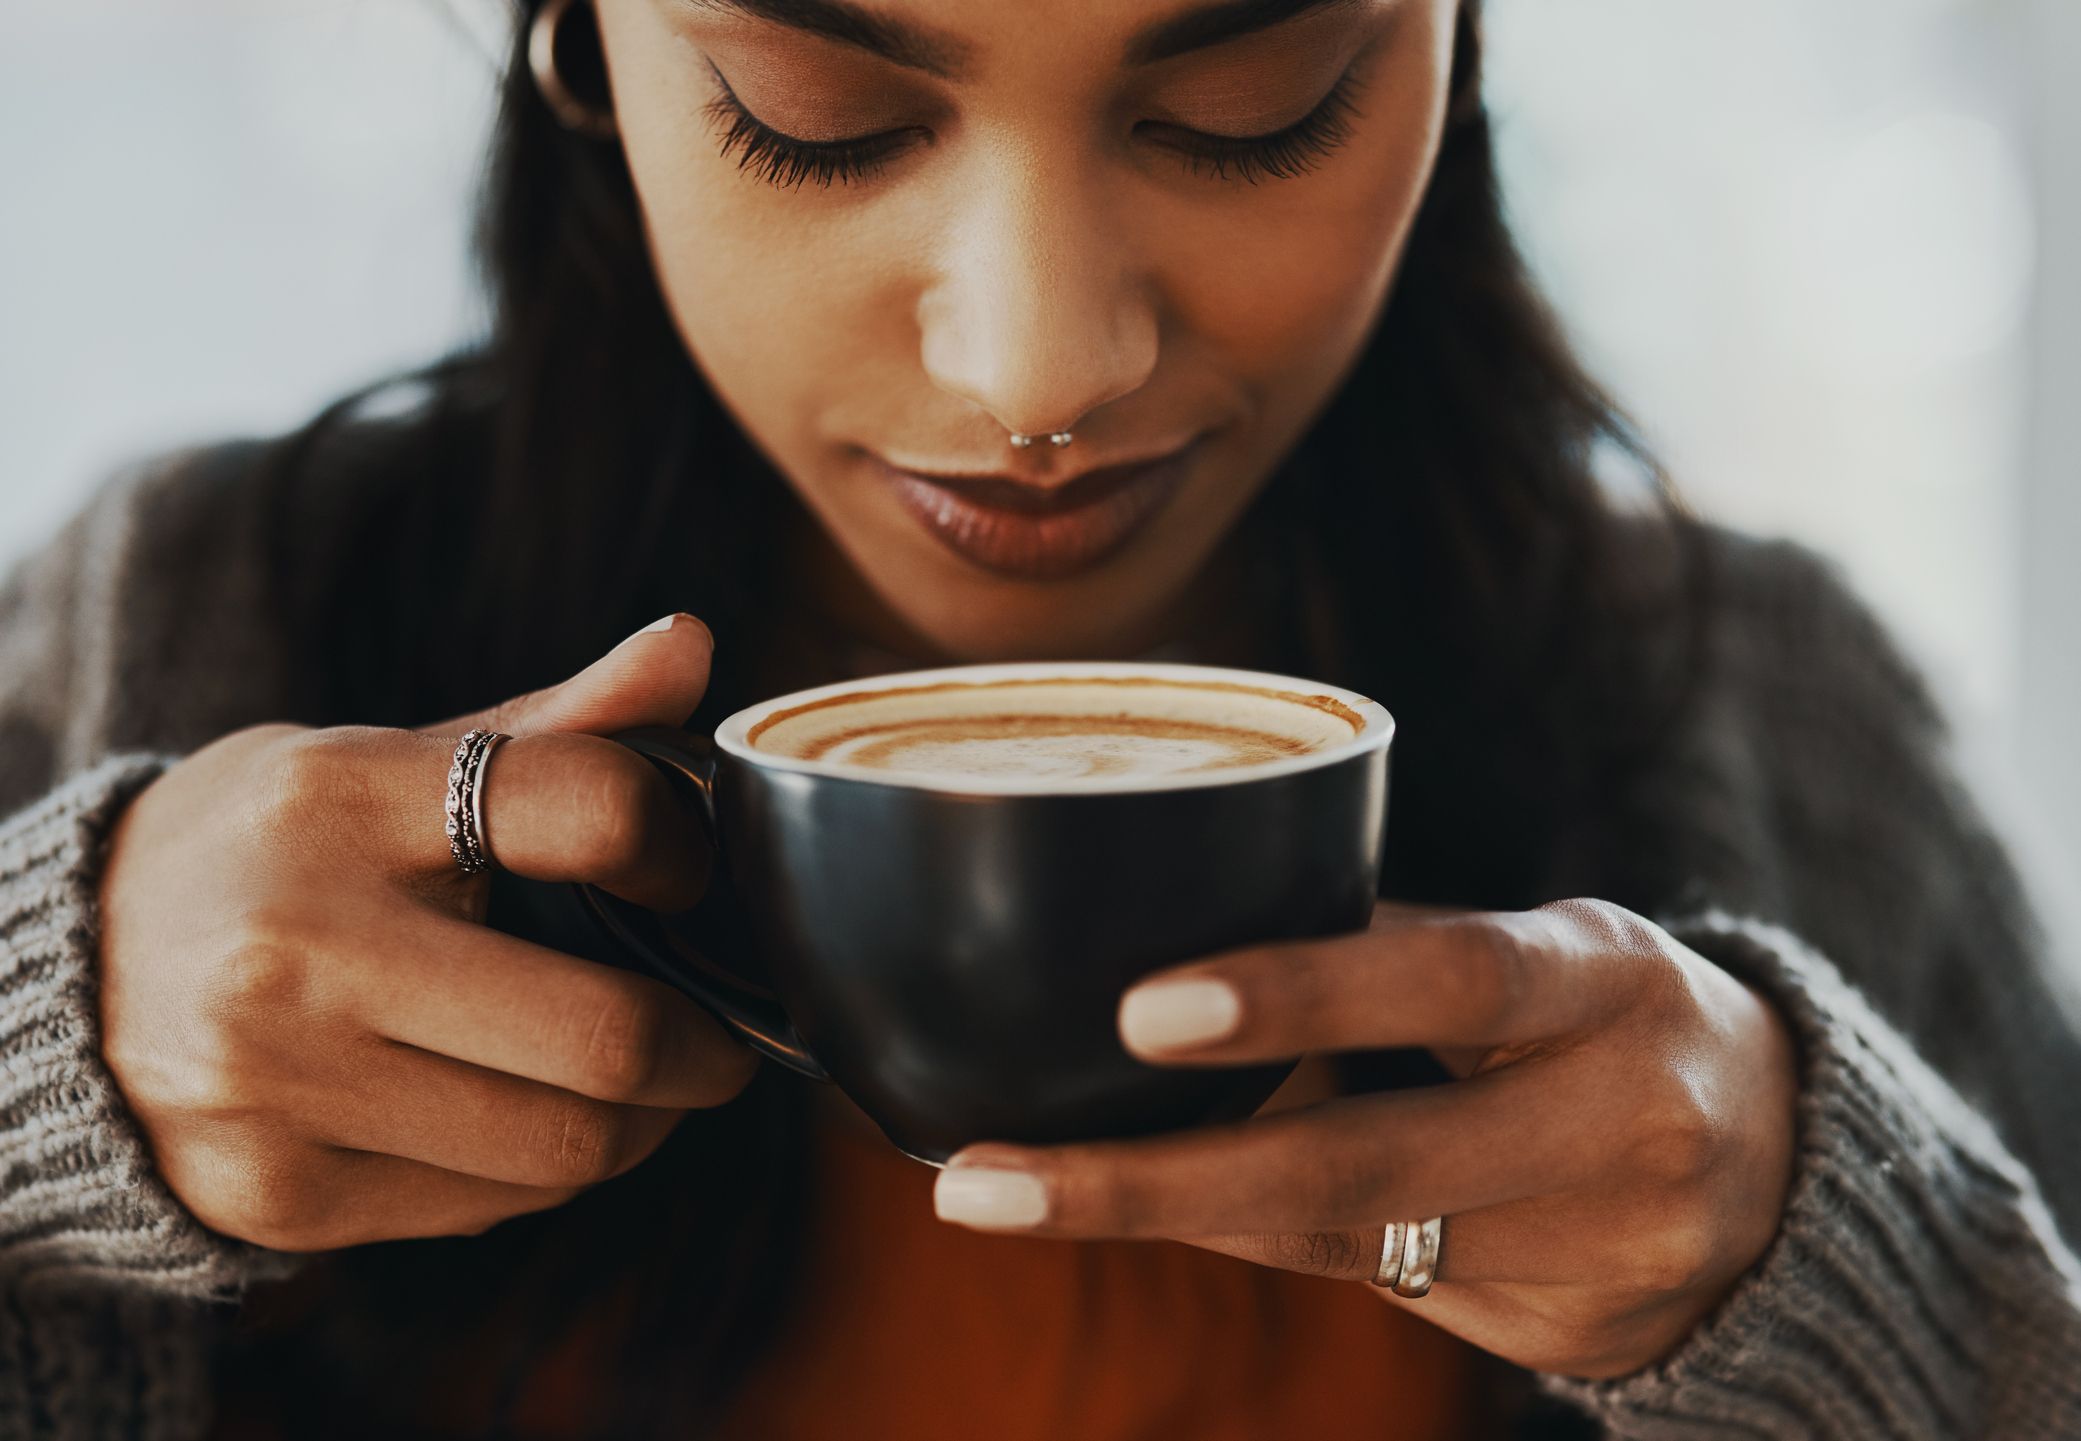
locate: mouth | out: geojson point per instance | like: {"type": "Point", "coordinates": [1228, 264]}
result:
{"type": "Point", "coordinates": [1041, 531]}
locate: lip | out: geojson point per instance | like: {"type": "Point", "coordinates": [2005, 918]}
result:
{"type": "Point", "coordinates": [1035, 531]}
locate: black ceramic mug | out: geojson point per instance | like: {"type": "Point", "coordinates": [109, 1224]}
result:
{"type": "Point", "coordinates": [951, 949]}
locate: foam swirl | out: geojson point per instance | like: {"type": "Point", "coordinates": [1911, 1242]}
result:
{"type": "Point", "coordinates": [1075, 729]}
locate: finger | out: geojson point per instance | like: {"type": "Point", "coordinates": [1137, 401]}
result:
{"type": "Point", "coordinates": [464, 1118]}
{"type": "Point", "coordinates": [654, 677]}
{"type": "Point", "coordinates": [388, 1197]}
{"type": "Point", "coordinates": [1529, 1242]}
{"type": "Point", "coordinates": [1464, 979]}
{"type": "Point", "coordinates": [1631, 1252]}
{"type": "Point", "coordinates": [583, 808]}
{"type": "Point", "coordinates": [311, 1197]}
{"type": "Point", "coordinates": [556, 808]}
{"type": "Point", "coordinates": [506, 1004]}
{"type": "Point", "coordinates": [1339, 1165]}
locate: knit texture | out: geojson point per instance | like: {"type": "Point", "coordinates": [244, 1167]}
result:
{"type": "Point", "coordinates": [1807, 820]}
{"type": "Point", "coordinates": [1917, 1290]}
{"type": "Point", "coordinates": [92, 1244]}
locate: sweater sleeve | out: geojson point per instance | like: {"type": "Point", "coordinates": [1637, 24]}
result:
{"type": "Point", "coordinates": [95, 1252]}
{"type": "Point", "coordinates": [1920, 1287]}
{"type": "Point", "coordinates": [101, 1268]}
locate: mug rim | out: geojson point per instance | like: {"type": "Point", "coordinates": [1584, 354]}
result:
{"type": "Point", "coordinates": [1375, 733]}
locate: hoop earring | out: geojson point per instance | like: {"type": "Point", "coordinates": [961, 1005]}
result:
{"type": "Point", "coordinates": [563, 102]}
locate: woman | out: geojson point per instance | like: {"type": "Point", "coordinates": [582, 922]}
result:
{"type": "Point", "coordinates": [1706, 1012]}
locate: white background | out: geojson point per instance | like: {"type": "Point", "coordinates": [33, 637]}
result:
{"type": "Point", "coordinates": [1824, 250]}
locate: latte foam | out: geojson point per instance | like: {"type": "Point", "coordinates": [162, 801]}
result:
{"type": "Point", "coordinates": [1075, 728]}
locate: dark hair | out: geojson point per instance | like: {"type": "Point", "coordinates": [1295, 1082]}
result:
{"type": "Point", "coordinates": [1448, 548]}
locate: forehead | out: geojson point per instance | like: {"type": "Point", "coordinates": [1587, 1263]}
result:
{"type": "Point", "coordinates": [949, 38]}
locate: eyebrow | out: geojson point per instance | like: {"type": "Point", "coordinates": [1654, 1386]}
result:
{"type": "Point", "coordinates": [938, 52]}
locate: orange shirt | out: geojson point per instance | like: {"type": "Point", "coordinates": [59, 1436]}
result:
{"type": "Point", "coordinates": [918, 1329]}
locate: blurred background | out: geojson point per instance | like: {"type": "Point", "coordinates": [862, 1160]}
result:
{"type": "Point", "coordinates": [1828, 253]}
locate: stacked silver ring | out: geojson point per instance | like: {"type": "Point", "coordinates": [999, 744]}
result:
{"type": "Point", "coordinates": [1409, 1256]}
{"type": "Point", "coordinates": [465, 809]}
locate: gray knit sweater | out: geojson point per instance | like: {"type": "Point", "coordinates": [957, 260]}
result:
{"type": "Point", "coordinates": [1919, 1287]}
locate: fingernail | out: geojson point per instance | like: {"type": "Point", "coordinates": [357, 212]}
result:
{"type": "Point", "coordinates": [1167, 1014]}
{"type": "Point", "coordinates": [662, 623]}
{"type": "Point", "coordinates": [978, 1196]}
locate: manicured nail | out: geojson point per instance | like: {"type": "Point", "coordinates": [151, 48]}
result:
{"type": "Point", "coordinates": [1167, 1014]}
{"type": "Point", "coordinates": [979, 1196]}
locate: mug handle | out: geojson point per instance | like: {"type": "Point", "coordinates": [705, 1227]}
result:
{"type": "Point", "coordinates": [758, 1019]}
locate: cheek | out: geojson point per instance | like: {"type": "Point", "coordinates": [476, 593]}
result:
{"type": "Point", "coordinates": [720, 270]}
{"type": "Point", "coordinates": [749, 285]}
{"type": "Point", "coordinates": [1293, 276]}
{"type": "Point", "coordinates": [1282, 284]}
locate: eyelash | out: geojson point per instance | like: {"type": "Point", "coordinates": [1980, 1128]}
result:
{"type": "Point", "coordinates": [786, 162]}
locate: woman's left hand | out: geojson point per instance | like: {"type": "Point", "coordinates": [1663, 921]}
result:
{"type": "Point", "coordinates": [1615, 1152]}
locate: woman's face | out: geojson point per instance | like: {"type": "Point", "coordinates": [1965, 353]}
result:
{"type": "Point", "coordinates": [1026, 217]}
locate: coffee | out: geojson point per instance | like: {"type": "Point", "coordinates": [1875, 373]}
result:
{"type": "Point", "coordinates": [1075, 728]}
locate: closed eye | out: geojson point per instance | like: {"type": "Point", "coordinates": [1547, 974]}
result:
{"type": "Point", "coordinates": [785, 161]}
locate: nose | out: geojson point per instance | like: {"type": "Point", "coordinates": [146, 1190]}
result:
{"type": "Point", "coordinates": [1039, 311]}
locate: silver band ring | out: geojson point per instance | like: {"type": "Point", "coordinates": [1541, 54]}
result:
{"type": "Point", "coordinates": [1390, 1269]}
{"type": "Point", "coordinates": [465, 806]}
{"type": "Point", "coordinates": [480, 836]}
{"type": "Point", "coordinates": [1420, 1245]}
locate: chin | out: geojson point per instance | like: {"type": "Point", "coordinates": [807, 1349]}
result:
{"type": "Point", "coordinates": [1027, 628]}
{"type": "Point", "coordinates": [969, 616]}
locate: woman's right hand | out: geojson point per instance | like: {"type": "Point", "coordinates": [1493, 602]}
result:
{"type": "Point", "coordinates": [322, 1041]}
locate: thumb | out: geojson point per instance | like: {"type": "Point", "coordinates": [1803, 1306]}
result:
{"type": "Point", "coordinates": [655, 677]}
